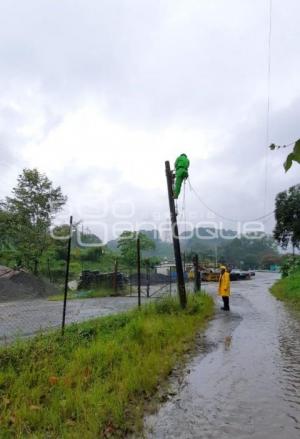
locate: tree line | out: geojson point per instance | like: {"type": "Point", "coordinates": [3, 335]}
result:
{"type": "Point", "coordinates": [27, 216]}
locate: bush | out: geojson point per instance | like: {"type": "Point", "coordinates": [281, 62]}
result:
{"type": "Point", "coordinates": [290, 265]}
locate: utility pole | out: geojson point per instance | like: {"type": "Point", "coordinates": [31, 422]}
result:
{"type": "Point", "coordinates": [175, 236]}
{"type": "Point", "coordinates": [67, 277]}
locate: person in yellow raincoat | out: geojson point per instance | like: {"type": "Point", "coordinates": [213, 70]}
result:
{"type": "Point", "coordinates": [224, 288]}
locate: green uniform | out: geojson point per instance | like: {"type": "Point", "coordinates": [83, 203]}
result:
{"type": "Point", "coordinates": [181, 172]}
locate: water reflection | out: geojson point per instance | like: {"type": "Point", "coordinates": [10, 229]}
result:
{"type": "Point", "coordinates": [289, 346]}
{"type": "Point", "coordinates": [227, 342]}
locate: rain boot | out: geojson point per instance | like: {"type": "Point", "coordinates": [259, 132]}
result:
{"type": "Point", "coordinates": [226, 303]}
{"type": "Point", "coordinates": [223, 308]}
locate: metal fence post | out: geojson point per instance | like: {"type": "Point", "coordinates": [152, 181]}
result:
{"type": "Point", "coordinates": [115, 278]}
{"type": "Point", "coordinates": [49, 270]}
{"type": "Point", "coordinates": [148, 280]}
{"type": "Point", "coordinates": [197, 281]}
{"type": "Point", "coordinates": [138, 247]}
{"type": "Point", "coordinates": [67, 278]}
{"type": "Point", "coordinates": [130, 282]}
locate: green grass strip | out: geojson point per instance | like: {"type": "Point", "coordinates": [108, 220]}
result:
{"type": "Point", "coordinates": [288, 289]}
{"type": "Point", "coordinates": [88, 294]}
{"type": "Point", "coordinates": [96, 380]}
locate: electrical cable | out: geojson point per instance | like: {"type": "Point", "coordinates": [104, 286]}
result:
{"type": "Point", "coordinates": [268, 106]}
{"type": "Point", "coordinates": [224, 217]}
{"type": "Point", "coordinates": [288, 144]}
{"type": "Point", "coordinates": [184, 208]}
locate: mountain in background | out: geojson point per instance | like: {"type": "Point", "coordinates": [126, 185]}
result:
{"type": "Point", "coordinates": [214, 245]}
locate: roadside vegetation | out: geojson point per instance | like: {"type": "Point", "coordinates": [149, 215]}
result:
{"type": "Point", "coordinates": [97, 379]}
{"type": "Point", "coordinates": [287, 289]}
{"type": "Point", "coordinates": [287, 235]}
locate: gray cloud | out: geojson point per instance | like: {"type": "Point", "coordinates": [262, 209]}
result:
{"type": "Point", "coordinates": [151, 66]}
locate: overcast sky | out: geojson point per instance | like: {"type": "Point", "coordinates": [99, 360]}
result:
{"type": "Point", "coordinates": [99, 93]}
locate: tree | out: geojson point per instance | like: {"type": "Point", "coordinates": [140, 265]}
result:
{"type": "Point", "coordinates": [32, 209]}
{"type": "Point", "coordinates": [287, 215]}
{"type": "Point", "coordinates": [270, 259]}
{"type": "Point", "coordinates": [294, 156]}
{"type": "Point", "coordinates": [5, 223]}
{"type": "Point", "coordinates": [250, 250]}
{"type": "Point", "coordinates": [128, 248]}
{"type": "Point", "coordinates": [93, 254]}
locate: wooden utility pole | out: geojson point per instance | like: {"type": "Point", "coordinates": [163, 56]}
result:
{"type": "Point", "coordinates": [67, 277]}
{"type": "Point", "coordinates": [175, 236]}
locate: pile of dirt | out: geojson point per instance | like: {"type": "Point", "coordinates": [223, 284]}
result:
{"type": "Point", "coordinates": [21, 285]}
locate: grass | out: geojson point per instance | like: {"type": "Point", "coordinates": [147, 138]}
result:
{"type": "Point", "coordinates": [288, 289]}
{"type": "Point", "coordinates": [89, 294]}
{"type": "Point", "coordinates": [96, 381]}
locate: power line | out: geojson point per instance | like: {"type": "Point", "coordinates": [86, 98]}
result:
{"type": "Point", "coordinates": [288, 144]}
{"type": "Point", "coordinates": [184, 208]}
{"type": "Point", "coordinates": [233, 220]}
{"type": "Point", "coordinates": [268, 105]}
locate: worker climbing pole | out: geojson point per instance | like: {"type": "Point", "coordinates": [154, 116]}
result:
{"type": "Point", "coordinates": [175, 236]}
{"type": "Point", "coordinates": [182, 164]}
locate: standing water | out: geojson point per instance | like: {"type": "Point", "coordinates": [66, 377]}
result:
{"type": "Point", "coordinates": [245, 382]}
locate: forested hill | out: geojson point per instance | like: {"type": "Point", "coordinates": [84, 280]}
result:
{"type": "Point", "coordinates": [212, 244]}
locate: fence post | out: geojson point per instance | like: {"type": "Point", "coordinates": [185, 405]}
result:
{"type": "Point", "coordinates": [197, 280]}
{"type": "Point", "coordinates": [148, 279]}
{"type": "Point", "coordinates": [130, 282]}
{"type": "Point", "coordinates": [67, 278]}
{"type": "Point", "coordinates": [138, 247]}
{"type": "Point", "coordinates": [115, 282]}
{"type": "Point", "coordinates": [49, 270]}
{"type": "Point", "coordinates": [170, 280]}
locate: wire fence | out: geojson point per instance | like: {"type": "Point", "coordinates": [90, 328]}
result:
{"type": "Point", "coordinates": [33, 308]}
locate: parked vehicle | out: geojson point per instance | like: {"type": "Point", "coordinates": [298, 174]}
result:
{"type": "Point", "coordinates": [236, 274]}
{"type": "Point", "coordinates": [210, 275]}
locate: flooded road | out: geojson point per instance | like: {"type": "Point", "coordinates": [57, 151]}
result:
{"type": "Point", "coordinates": [245, 380]}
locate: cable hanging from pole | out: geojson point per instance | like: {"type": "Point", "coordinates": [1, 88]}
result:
{"type": "Point", "coordinates": [184, 208]}
{"type": "Point", "coordinates": [234, 220]}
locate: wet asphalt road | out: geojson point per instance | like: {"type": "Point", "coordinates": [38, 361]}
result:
{"type": "Point", "coordinates": [245, 380]}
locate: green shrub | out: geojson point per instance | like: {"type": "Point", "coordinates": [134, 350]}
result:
{"type": "Point", "coordinates": [290, 265]}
